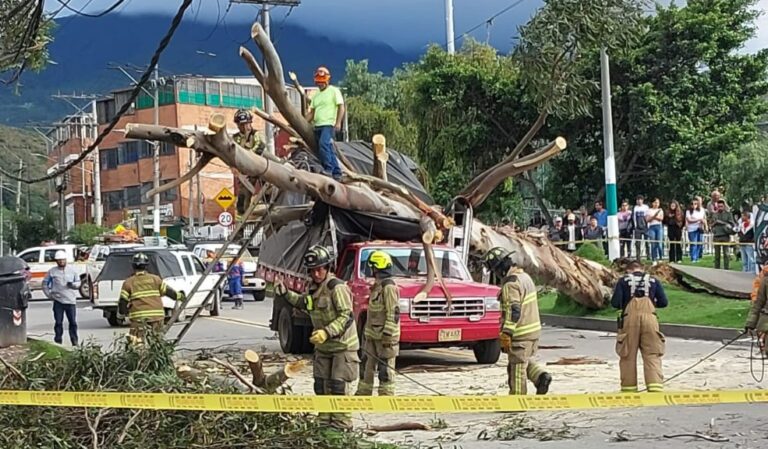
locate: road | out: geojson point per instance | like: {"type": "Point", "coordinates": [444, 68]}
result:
{"type": "Point", "coordinates": [455, 372]}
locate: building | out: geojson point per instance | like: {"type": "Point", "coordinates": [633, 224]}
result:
{"type": "Point", "coordinates": [126, 166]}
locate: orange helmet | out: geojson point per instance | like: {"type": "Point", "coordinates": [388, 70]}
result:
{"type": "Point", "coordinates": [322, 75]}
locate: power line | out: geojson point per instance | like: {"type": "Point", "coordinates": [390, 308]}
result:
{"type": "Point", "coordinates": [125, 107]}
{"type": "Point", "coordinates": [488, 21]}
{"type": "Point", "coordinates": [65, 5]}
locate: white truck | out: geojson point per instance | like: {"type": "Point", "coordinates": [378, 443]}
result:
{"type": "Point", "coordinates": [41, 259]}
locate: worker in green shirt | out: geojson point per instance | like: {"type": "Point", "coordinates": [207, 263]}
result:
{"type": "Point", "coordinates": [326, 111]}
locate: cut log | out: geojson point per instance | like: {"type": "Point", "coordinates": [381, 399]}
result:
{"type": "Point", "coordinates": [302, 92]}
{"type": "Point", "coordinates": [257, 367]}
{"type": "Point", "coordinates": [270, 383]}
{"type": "Point", "coordinates": [380, 157]}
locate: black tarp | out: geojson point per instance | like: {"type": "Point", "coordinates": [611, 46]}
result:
{"type": "Point", "coordinates": [284, 250]}
{"type": "Point", "coordinates": [118, 265]}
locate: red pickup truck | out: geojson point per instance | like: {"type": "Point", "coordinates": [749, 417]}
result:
{"type": "Point", "coordinates": [472, 321]}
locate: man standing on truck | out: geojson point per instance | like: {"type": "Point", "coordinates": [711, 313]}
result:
{"type": "Point", "coordinates": [382, 328]}
{"type": "Point", "coordinates": [326, 112]}
{"type": "Point", "coordinates": [61, 285]}
{"type": "Point", "coordinates": [520, 324]}
{"type": "Point", "coordinates": [141, 297]}
{"type": "Point", "coordinates": [329, 304]}
{"type": "Point", "coordinates": [638, 295]}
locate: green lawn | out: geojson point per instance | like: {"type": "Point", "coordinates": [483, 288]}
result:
{"type": "Point", "coordinates": [684, 308]}
{"type": "Point", "coordinates": [709, 262]}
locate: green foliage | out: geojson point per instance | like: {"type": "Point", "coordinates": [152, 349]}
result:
{"type": "Point", "coordinates": [18, 143]}
{"type": "Point", "coordinates": [144, 368]}
{"type": "Point", "coordinates": [744, 172]}
{"type": "Point", "coordinates": [85, 234]}
{"type": "Point", "coordinates": [683, 99]}
{"type": "Point", "coordinates": [374, 88]}
{"type": "Point", "coordinates": [24, 36]}
{"type": "Point", "coordinates": [27, 231]}
{"type": "Point", "coordinates": [590, 251]}
{"type": "Point", "coordinates": [367, 119]}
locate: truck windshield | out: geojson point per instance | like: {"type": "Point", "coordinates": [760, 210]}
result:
{"type": "Point", "coordinates": [411, 262]}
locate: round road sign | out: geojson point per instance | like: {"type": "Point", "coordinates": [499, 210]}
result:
{"type": "Point", "coordinates": [225, 219]}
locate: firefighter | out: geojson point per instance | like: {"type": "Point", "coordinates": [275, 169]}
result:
{"type": "Point", "coordinates": [638, 295]}
{"type": "Point", "coordinates": [141, 297]}
{"type": "Point", "coordinates": [757, 320]}
{"type": "Point", "coordinates": [248, 138]}
{"type": "Point", "coordinates": [520, 325]}
{"type": "Point", "coordinates": [329, 304]}
{"type": "Point", "coordinates": [382, 328]}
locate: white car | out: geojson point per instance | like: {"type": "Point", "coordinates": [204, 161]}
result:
{"type": "Point", "coordinates": [96, 258]}
{"type": "Point", "coordinates": [180, 269]}
{"type": "Point", "coordinates": [41, 259]}
{"type": "Point", "coordinates": [252, 284]}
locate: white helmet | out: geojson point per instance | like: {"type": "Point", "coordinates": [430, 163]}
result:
{"type": "Point", "coordinates": [60, 255]}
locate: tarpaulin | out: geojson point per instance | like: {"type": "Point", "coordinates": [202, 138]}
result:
{"type": "Point", "coordinates": [118, 266]}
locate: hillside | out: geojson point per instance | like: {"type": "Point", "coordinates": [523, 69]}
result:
{"type": "Point", "coordinates": [18, 143]}
{"type": "Point", "coordinates": [84, 47]}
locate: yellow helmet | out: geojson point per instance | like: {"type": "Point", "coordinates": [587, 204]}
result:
{"type": "Point", "coordinates": [380, 260]}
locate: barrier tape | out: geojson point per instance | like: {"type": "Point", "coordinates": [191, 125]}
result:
{"type": "Point", "coordinates": [679, 242]}
{"type": "Point", "coordinates": [368, 404]}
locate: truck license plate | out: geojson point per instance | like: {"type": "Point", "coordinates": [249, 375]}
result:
{"type": "Point", "coordinates": [449, 335]}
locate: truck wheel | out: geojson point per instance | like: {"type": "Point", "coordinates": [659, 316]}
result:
{"type": "Point", "coordinates": [293, 339]}
{"type": "Point", "coordinates": [216, 306]}
{"type": "Point", "coordinates": [85, 291]}
{"type": "Point", "coordinates": [114, 321]}
{"type": "Point", "coordinates": [487, 352]}
{"type": "Point", "coordinates": [259, 295]}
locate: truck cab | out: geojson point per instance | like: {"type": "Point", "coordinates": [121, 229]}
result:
{"type": "Point", "coordinates": [472, 321]}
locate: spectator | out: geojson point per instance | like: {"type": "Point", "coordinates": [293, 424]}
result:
{"type": "Point", "coordinates": [601, 215]}
{"type": "Point", "coordinates": [674, 220]}
{"type": "Point", "coordinates": [714, 197]}
{"type": "Point", "coordinates": [722, 230]}
{"type": "Point", "coordinates": [747, 242]}
{"type": "Point", "coordinates": [655, 217]}
{"type": "Point", "coordinates": [572, 234]}
{"type": "Point", "coordinates": [695, 219]}
{"type": "Point", "coordinates": [594, 232]}
{"type": "Point", "coordinates": [583, 219]}
{"type": "Point", "coordinates": [556, 231]}
{"type": "Point", "coordinates": [639, 224]}
{"type": "Point", "coordinates": [625, 233]}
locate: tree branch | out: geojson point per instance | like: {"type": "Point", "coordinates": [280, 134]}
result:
{"type": "Point", "coordinates": [201, 163]}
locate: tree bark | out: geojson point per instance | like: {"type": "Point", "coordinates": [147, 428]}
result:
{"type": "Point", "coordinates": [380, 157]}
{"type": "Point", "coordinates": [270, 383]}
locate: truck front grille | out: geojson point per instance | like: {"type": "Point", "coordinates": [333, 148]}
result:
{"type": "Point", "coordinates": [437, 308]}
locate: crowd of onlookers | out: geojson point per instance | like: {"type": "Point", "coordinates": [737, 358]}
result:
{"type": "Point", "coordinates": [649, 226]}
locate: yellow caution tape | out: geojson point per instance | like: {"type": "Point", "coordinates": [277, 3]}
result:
{"type": "Point", "coordinates": [362, 404]}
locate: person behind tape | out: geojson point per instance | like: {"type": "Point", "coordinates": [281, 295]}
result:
{"type": "Point", "coordinates": [329, 303]}
{"type": "Point", "coordinates": [141, 297]}
{"type": "Point", "coordinates": [638, 295]}
{"type": "Point", "coordinates": [61, 284]}
{"type": "Point", "coordinates": [520, 324]}
{"type": "Point", "coordinates": [382, 328]}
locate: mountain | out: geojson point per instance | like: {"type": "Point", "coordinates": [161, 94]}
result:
{"type": "Point", "coordinates": [84, 47]}
{"type": "Point", "coordinates": [22, 144]}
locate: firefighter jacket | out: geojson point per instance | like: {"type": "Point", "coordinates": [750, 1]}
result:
{"type": "Point", "coordinates": [142, 294]}
{"type": "Point", "coordinates": [638, 285]}
{"type": "Point", "coordinates": [252, 142]}
{"type": "Point", "coordinates": [758, 314]}
{"type": "Point", "coordinates": [329, 305]}
{"type": "Point", "coordinates": [519, 306]}
{"type": "Point", "coordinates": [383, 319]}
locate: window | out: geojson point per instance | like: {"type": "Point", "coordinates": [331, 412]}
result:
{"type": "Point", "coordinates": [169, 195]}
{"type": "Point", "coordinates": [191, 91]}
{"type": "Point", "coordinates": [146, 149]}
{"type": "Point", "coordinates": [212, 93]}
{"type": "Point", "coordinates": [347, 266]}
{"type": "Point", "coordinates": [121, 98]}
{"type": "Point", "coordinates": [105, 110]}
{"type": "Point", "coordinates": [128, 152]}
{"type": "Point", "coordinates": [199, 267]}
{"type": "Point", "coordinates": [410, 262]}
{"type": "Point", "coordinates": [113, 200]}
{"type": "Point", "coordinates": [50, 255]}
{"type": "Point", "coordinates": [31, 256]}
{"type": "Point", "coordinates": [133, 195]}
{"type": "Point", "coordinates": [145, 188]}
{"type": "Point", "coordinates": [187, 265]}
{"type": "Point", "coordinates": [167, 149]}
{"type": "Point", "coordinates": [108, 157]}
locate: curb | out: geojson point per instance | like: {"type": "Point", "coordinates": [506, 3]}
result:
{"type": "Point", "coordinates": [669, 330]}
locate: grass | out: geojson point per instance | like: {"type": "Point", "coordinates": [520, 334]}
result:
{"type": "Point", "coordinates": [684, 308]}
{"type": "Point", "coordinates": [708, 261]}
{"type": "Point", "coordinates": [50, 350]}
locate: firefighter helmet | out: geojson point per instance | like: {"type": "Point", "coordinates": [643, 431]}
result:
{"type": "Point", "coordinates": [243, 116]}
{"type": "Point", "coordinates": [497, 258]}
{"type": "Point", "coordinates": [380, 260]}
{"type": "Point", "coordinates": [317, 256]}
{"type": "Point", "coordinates": [140, 261]}
{"type": "Point", "coordinates": [322, 75]}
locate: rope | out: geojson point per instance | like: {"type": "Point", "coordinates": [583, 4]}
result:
{"type": "Point", "coordinates": [680, 242]}
{"type": "Point", "coordinates": [400, 373]}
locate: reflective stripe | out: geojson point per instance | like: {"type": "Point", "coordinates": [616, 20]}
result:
{"type": "Point", "coordinates": [146, 314]}
{"type": "Point", "coordinates": [529, 298]}
{"type": "Point", "coordinates": [527, 329]}
{"type": "Point", "coordinates": [629, 389]}
{"type": "Point", "coordinates": [145, 294]}
{"type": "Point", "coordinates": [655, 387]}
{"type": "Point", "coordinates": [163, 288]}
{"type": "Point", "coordinates": [124, 294]}
{"type": "Point", "coordinates": [310, 303]}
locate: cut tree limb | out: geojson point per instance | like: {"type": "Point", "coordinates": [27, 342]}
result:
{"type": "Point", "coordinates": [302, 93]}
{"type": "Point", "coordinates": [270, 383]}
{"type": "Point", "coordinates": [380, 157]}
{"type": "Point", "coordinates": [279, 123]}
{"type": "Point", "coordinates": [201, 163]}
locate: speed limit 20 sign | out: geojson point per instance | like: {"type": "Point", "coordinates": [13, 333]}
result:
{"type": "Point", "coordinates": [225, 219]}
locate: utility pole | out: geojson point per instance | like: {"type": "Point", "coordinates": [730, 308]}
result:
{"type": "Point", "coordinates": [18, 186]}
{"type": "Point", "coordinates": [156, 159]}
{"type": "Point", "coordinates": [610, 162]}
{"type": "Point", "coordinates": [449, 38]}
{"type": "Point", "coordinates": [2, 218]}
{"type": "Point", "coordinates": [98, 213]}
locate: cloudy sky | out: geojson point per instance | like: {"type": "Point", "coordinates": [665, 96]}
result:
{"type": "Point", "coordinates": [406, 25]}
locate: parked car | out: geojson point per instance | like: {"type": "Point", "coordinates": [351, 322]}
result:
{"type": "Point", "coordinates": [41, 259]}
{"type": "Point", "coordinates": [252, 284]}
{"type": "Point", "coordinates": [96, 258]}
{"type": "Point", "coordinates": [471, 322]}
{"type": "Point", "coordinates": [179, 268]}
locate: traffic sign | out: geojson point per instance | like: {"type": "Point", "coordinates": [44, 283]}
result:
{"type": "Point", "coordinates": [225, 198]}
{"type": "Point", "coordinates": [225, 219]}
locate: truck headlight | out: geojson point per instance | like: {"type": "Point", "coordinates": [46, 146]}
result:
{"type": "Point", "coordinates": [492, 304]}
{"type": "Point", "coordinates": [405, 305]}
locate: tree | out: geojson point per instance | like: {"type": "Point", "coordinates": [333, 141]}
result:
{"type": "Point", "coordinates": [25, 33]}
{"type": "Point", "coordinates": [744, 172]}
{"type": "Point", "coordinates": [683, 98]}
{"type": "Point", "coordinates": [29, 231]}
{"type": "Point", "coordinates": [85, 234]}
{"type": "Point", "coordinates": [585, 281]}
